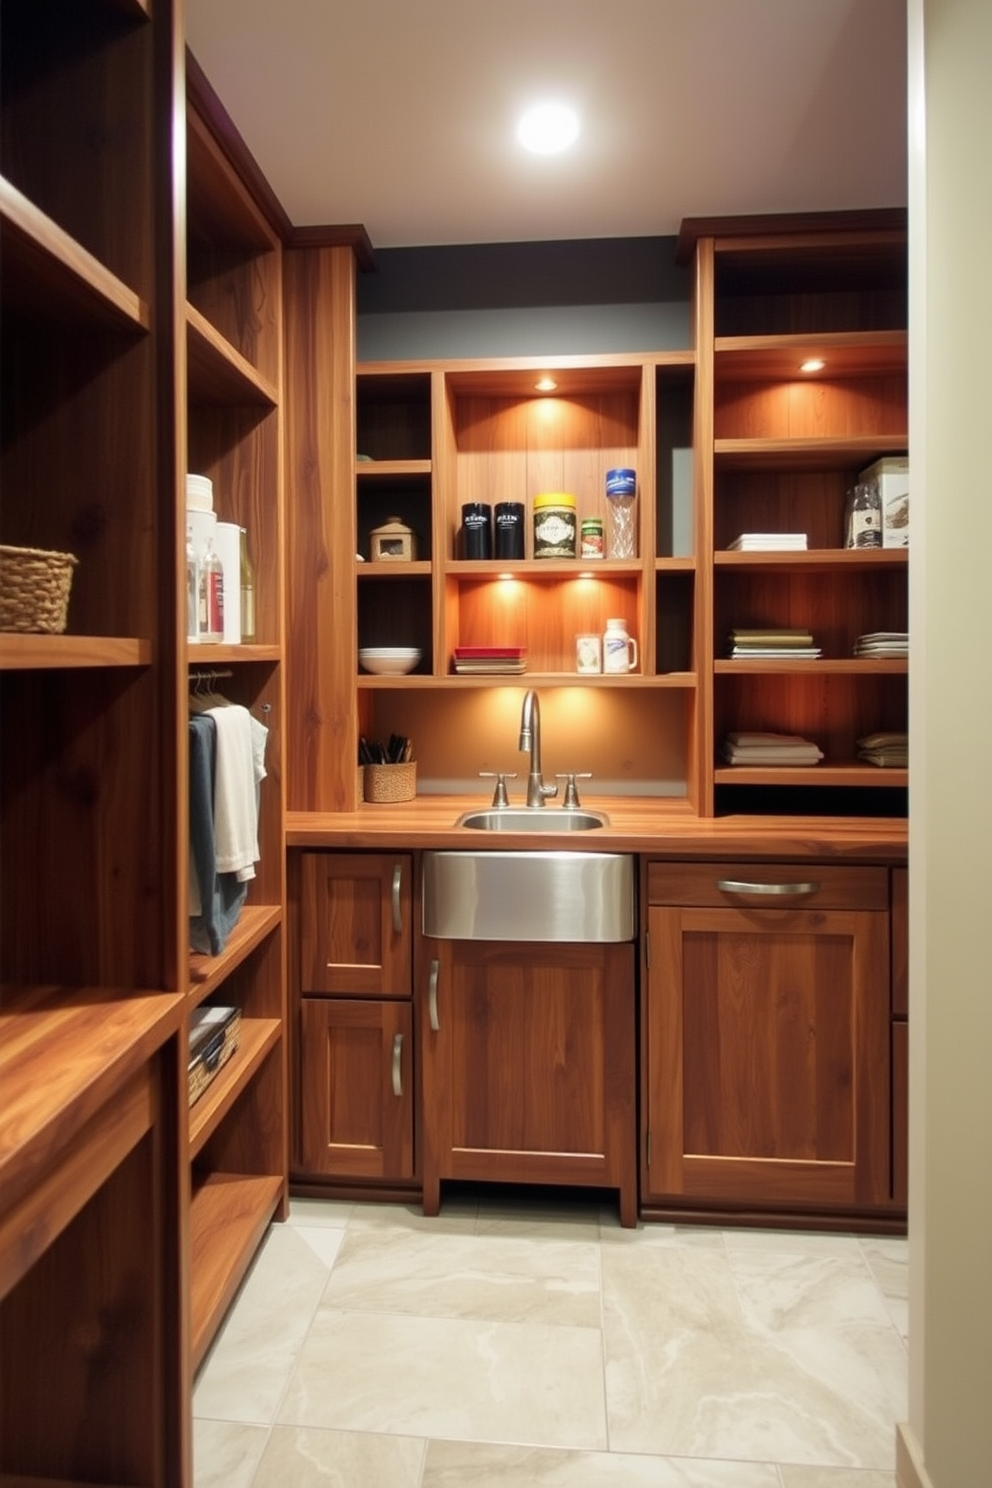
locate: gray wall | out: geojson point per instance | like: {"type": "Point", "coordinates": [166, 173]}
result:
{"type": "Point", "coordinates": [524, 299]}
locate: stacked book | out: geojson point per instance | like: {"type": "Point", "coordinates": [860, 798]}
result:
{"type": "Point", "coordinates": [783, 642]}
{"type": "Point", "coordinates": [770, 749]}
{"type": "Point", "coordinates": [883, 644]}
{"type": "Point", "coordinates": [889, 750]}
{"type": "Point", "coordinates": [501, 660]}
{"type": "Point", "coordinates": [769, 542]}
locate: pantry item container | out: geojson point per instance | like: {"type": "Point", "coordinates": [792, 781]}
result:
{"type": "Point", "coordinates": [621, 510]}
{"type": "Point", "coordinates": [34, 589]}
{"type": "Point", "coordinates": [385, 783]}
{"type": "Point", "coordinates": [619, 648]}
{"type": "Point", "coordinates": [554, 525]}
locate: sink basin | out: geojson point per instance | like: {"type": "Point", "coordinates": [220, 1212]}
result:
{"type": "Point", "coordinates": [533, 819]}
{"type": "Point", "coordinates": [488, 894]}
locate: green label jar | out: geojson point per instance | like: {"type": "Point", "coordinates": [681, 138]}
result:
{"type": "Point", "coordinates": [554, 525]}
{"type": "Point", "coordinates": [591, 537]}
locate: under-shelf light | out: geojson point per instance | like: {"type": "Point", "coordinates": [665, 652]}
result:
{"type": "Point", "coordinates": [812, 364]}
{"type": "Point", "coordinates": [545, 385]}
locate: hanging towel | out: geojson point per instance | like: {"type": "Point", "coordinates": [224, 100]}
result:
{"type": "Point", "coordinates": [235, 792]}
{"type": "Point", "coordinates": [215, 898]}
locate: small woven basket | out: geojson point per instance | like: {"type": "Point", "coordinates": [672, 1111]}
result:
{"type": "Point", "coordinates": [34, 589]}
{"type": "Point", "coordinates": [391, 782]}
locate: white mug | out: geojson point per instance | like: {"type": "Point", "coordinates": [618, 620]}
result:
{"type": "Point", "coordinates": [619, 649]}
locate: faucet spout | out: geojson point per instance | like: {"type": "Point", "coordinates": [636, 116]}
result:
{"type": "Point", "coordinates": [530, 739]}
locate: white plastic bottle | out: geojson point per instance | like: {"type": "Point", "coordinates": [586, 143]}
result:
{"type": "Point", "coordinates": [619, 648]}
{"type": "Point", "coordinates": [211, 618]}
{"type": "Point", "coordinates": [192, 590]}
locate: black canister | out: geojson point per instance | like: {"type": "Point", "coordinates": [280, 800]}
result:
{"type": "Point", "coordinates": [477, 530]}
{"type": "Point", "coordinates": [510, 529]}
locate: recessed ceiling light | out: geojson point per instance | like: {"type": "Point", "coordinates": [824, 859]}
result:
{"type": "Point", "coordinates": [812, 364]}
{"type": "Point", "coordinates": [548, 129]}
{"type": "Point", "coordinates": [545, 385]}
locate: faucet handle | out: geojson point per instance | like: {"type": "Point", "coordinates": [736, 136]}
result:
{"type": "Point", "coordinates": [571, 798]}
{"type": "Point", "coordinates": [501, 777]}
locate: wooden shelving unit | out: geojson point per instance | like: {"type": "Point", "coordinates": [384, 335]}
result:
{"type": "Point", "coordinates": [92, 1307]}
{"type": "Point", "coordinates": [238, 1146]}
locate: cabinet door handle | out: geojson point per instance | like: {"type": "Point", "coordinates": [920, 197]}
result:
{"type": "Point", "coordinates": [397, 899]}
{"type": "Point", "coordinates": [733, 886]}
{"type": "Point", "coordinates": [432, 996]}
{"type": "Point", "coordinates": [398, 1065]}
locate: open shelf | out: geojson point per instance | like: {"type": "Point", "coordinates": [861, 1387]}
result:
{"type": "Point", "coordinates": [256, 1037]}
{"type": "Point", "coordinates": [229, 1214]}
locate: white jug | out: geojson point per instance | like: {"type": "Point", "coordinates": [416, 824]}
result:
{"type": "Point", "coordinates": [619, 649]}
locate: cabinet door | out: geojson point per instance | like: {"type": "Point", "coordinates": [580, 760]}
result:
{"type": "Point", "coordinates": [767, 1058]}
{"type": "Point", "coordinates": [528, 1066]}
{"type": "Point", "coordinates": [355, 914]}
{"type": "Point", "coordinates": [357, 1095]}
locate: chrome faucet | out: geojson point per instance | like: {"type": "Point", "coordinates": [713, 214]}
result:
{"type": "Point", "coordinates": [530, 738]}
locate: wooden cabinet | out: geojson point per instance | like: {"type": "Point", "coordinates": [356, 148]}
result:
{"type": "Point", "coordinates": [765, 1027]}
{"type": "Point", "coordinates": [528, 1066]}
{"type": "Point", "coordinates": [900, 1036]}
{"type": "Point", "coordinates": [356, 1049]}
{"type": "Point", "coordinates": [93, 1316]}
{"type": "Point", "coordinates": [238, 1133]}
{"type": "Point", "coordinates": [781, 449]}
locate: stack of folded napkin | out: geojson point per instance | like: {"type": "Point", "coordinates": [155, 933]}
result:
{"type": "Point", "coordinates": [884, 644]}
{"type": "Point", "coordinates": [770, 749]}
{"type": "Point", "coordinates": [784, 643]}
{"type": "Point", "coordinates": [890, 750]}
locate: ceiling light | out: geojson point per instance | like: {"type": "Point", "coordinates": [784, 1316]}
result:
{"type": "Point", "coordinates": [812, 364]}
{"type": "Point", "coordinates": [548, 129]}
{"type": "Point", "coordinates": [545, 385]}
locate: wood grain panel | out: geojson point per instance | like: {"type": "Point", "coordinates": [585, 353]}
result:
{"type": "Point", "coordinates": [321, 641]}
{"type": "Point", "coordinates": [810, 409]}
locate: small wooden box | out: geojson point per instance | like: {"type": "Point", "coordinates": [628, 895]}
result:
{"type": "Point", "coordinates": [393, 542]}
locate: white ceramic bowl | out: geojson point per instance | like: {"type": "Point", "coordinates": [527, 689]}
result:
{"type": "Point", "coordinates": [389, 661]}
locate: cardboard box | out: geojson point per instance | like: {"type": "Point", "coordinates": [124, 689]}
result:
{"type": "Point", "coordinates": [892, 476]}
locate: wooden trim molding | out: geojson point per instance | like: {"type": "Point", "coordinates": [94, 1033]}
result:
{"type": "Point", "coordinates": [872, 219]}
{"type": "Point", "coordinates": [910, 1472]}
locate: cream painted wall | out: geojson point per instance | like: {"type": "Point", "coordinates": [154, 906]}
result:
{"type": "Point", "coordinates": [950, 1427]}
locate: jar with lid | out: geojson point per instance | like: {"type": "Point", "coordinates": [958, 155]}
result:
{"type": "Point", "coordinates": [591, 537]}
{"type": "Point", "coordinates": [621, 498]}
{"type": "Point", "coordinates": [619, 649]}
{"type": "Point", "coordinates": [554, 525]}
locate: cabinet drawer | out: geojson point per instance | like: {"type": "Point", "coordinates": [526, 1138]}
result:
{"type": "Point", "coordinates": [768, 885]}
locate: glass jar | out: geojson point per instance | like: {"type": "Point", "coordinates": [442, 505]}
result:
{"type": "Point", "coordinates": [621, 502]}
{"type": "Point", "coordinates": [554, 525]}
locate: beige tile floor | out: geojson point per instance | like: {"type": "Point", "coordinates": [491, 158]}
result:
{"type": "Point", "coordinates": [532, 1343]}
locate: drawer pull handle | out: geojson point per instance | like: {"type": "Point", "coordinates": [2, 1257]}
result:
{"type": "Point", "coordinates": [735, 886]}
{"type": "Point", "coordinates": [398, 1065]}
{"type": "Point", "coordinates": [432, 997]}
{"type": "Point", "coordinates": [398, 899]}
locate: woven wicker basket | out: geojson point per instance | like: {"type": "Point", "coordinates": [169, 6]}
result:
{"type": "Point", "coordinates": [391, 782]}
{"type": "Point", "coordinates": [34, 589]}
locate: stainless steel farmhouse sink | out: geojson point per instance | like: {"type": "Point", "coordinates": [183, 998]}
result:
{"type": "Point", "coordinates": [529, 896]}
{"type": "Point", "coordinates": [533, 819]}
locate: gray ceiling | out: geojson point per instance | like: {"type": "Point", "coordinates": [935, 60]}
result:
{"type": "Point", "coordinates": [400, 114]}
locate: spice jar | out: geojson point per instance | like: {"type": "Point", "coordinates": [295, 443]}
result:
{"type": "Point", "coordinates": [591, 537]}
{"type": "Point", "coordinates": [554, 525]}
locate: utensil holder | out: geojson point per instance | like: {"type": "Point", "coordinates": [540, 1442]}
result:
{"type": "Point", "coordinates": [385, 783]}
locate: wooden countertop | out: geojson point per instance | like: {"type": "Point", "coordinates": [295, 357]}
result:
{"type": "Point", "coordinates": [654, 826]}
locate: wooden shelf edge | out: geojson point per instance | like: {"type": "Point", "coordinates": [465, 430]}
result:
{"type": "Point", "coordinates": [822, 666]}
{"type": "Point", "coordinates": [393, 568]}
{"type": "Point", "coordinates": [382, 469]}
{"type": "Point", "coordinates": [809, 454]}
{"type": "Point", "coordinates": [814, 558]}
{"type": "Point", "coordinates": [229, 1215]}
{"type": "Point", "coordinates": [683, 680]}
{"type": "Point", "coordinates": [256, 1038]}
{"type": "Point", "coordinates": [207, 973]}
{"type": "Point", "coordinates": [824, 774]}
{"type": "Point", "coordinates": [210, 654]}
{"type": "Point", "coordinates": [218, 372]}
{"type": "Point", "coordinates": [544, 568]}
{"type": "Point", "coordinates": [35, 244]}
{"type": "Point", "coordinates": [21, 652]}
